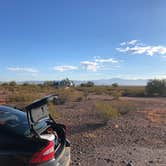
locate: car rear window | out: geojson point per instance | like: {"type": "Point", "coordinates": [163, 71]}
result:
{"type": "Point", "coordinates": [14, 120]}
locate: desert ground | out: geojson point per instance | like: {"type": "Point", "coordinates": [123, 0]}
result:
{"type": "Point", "coordinates": [131, 133]}
{"type": "Point", "coordinates": [138, 137]}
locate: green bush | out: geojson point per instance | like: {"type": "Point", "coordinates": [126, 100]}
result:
{"type": "Point", "coordinates": [115, 85]}
{"type": "Point", "coordinates": [22, 97]}
{"type": "Point", "coordinates": [88, 84]}
{"type": "Point", "coordinates": [106, 111]}
{"type": "Point", "coordinates": [133, 91]}
{"type": "Point", "coordinates": [123, 107]}
{"type": "Point", "coordinates": [156, 88]}
{"type": "Point", "coordinates": [114, 109]}
{"type": "Point", "coordinates": [130, 91]}
{"type": "Point", "coordinates": [69, 95]}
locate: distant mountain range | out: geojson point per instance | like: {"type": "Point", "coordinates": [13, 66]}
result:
{"type": "Point", "coordinates": [120, 81]}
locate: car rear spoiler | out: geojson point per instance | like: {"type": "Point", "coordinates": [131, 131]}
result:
{"type": "Point", "coordinates": [38, 110]}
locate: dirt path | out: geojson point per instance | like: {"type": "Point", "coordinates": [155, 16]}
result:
{"type": "Point", "coordinates": [133, 137]}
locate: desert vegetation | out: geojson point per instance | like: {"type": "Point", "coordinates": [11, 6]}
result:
{"type": "Point", "coordinates": [109, 125]}
{"type": "Point", "coordinates": [156, 88]}
{"type": "Point", "coordinates": [106, 110]}
{"type": "Point", "coordinates": [114, 109]}
{"type": "Point", "coordinates": [13, 92]}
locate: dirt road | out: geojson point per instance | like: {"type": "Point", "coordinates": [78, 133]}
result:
{"type": "Point", "coordinates": [133, 138]}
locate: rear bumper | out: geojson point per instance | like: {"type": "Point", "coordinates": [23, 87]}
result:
{"type": "Point", "coordinates": [63, 160]}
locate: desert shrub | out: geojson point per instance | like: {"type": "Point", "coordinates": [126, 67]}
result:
{"type": "Point", "coordinates": [69, 95]}
{"type": "Point", "coordinates": [4, 84]}
{"type": "Point", "coordinates": [115, 85]}
{"type": "Point", "coordinates": [48, 83]}
{"type": "Point", "coordinates": [106, 111]}
{"type": "Point", "coordinates": [23, 97]}
{"type": "Point", "coordinates": [123, 107]}
{"type": "Point", "coordinates": [116, 94]}
{"type": "Point", "coordinates": [98, 90]}
{"type": "Point", "coordinates": [114, 109]}
{"type": "Point", "coordinates": [12, 83]}
{"type": "Point", "coordinates": [156, 88]}
{"type": "Point", "coordinates": [88, 84]}
{"type": "Point", "coordinates": [25, 93]}
{"type": "Point", "coordinates": [133, 91]}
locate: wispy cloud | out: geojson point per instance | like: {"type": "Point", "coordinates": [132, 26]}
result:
{"type": "Point", "coordinates": [135, 47]}
{"type": "Point", "coordinates": [111, 60]}
{"type": "Point", "coordinates": [88, 65]}
{"type": "Point", "coordinates": [93, 65]}
{"type": "Point", "coordinates": [22, 69]}
{"type": "Point", "coordinates": [132, 42]}
{"type": "Point", "coordinates": [64, 68]}
{"type": "Point", "coordinates": [98, 63]}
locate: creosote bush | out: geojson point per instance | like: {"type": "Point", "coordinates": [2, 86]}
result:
{"type": "Point", "coordinates": [156, 87]}
{"type": "Point", "coordinates": [113, 109]}
{"type": "Point", "coordinates": [115, 91]}
{"type": "Point", "coordinates": [69, 95]}
{"type": "Point", "coordinates": [106, 111]}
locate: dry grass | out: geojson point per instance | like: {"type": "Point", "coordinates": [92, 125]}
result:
{"type": "Point", "coordinates": [21, 95]}
{"type": "Point", "coordinates": [133, 91]}
{"type": "Point", "coordinates": [70, 95]}
{"type": "Point", "coordinates": [113, 109]}
{"type": "Point", "coordinates": [106, 111]}
{"type": "Point", "coordinates": [123, 107]}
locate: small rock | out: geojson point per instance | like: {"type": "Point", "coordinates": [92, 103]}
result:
{"type": "Point", "coordinates": [107, 160]}
{"type": "Point", "coordinates": [151, 161]}
{"type": "Point", "coordinates": [129, 153]}
{"type": "Point", "coordinates": [80, 152]}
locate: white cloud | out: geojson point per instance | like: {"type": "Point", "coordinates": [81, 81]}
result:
{"type": "Point", "coordinates": [123, 44]}
{"type": "Point", "coordinates": [64, 68]}
{"type": "Point", "coordinates": [98, 63]}
{"type": "Point", "coordinates": [92, 66]}
{"type": "Point", "coordinates": [22, 69]}
{"type": "Point", "coordinates": [132, 42]}
{"type": "Point", "coordinates": [106, 60]}
{"type": "Point", "coordinates": [138, 48]}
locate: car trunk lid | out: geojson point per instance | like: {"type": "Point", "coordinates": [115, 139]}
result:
{"type": "Point", "coordinates": [38, 111]}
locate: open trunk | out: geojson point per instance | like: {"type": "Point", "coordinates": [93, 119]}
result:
{"type": "Point", "coordinates": [40, 133]}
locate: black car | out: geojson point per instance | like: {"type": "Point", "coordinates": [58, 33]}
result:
{"type": "Point", "coordinates": [32, 138]}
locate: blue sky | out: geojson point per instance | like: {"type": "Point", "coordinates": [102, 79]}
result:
{"type": "Point", "coordinates": [82, 39]}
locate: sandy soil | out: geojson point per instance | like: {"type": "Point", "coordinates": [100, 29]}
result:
{"type": "Point", "coordinates": [137, 138]}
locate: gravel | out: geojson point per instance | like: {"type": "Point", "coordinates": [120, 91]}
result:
{"type": "Point", "coordinates": [130, 140]}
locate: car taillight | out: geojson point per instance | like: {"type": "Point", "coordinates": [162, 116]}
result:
{"type": "Point", "coordinates": [44, 154]}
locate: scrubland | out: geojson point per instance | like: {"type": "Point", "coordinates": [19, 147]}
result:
{"type": "Point", "coordinates": [107, 125]}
